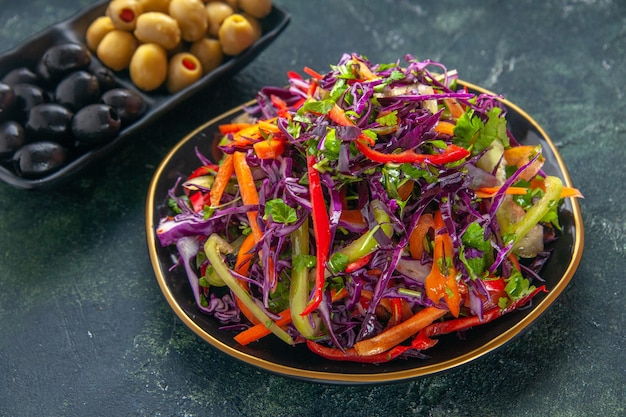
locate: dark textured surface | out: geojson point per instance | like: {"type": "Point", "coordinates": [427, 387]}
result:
{"type": "Point", "coordinates": [84, 329]}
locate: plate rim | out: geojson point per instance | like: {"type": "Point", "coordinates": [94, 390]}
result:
{"type": "Point", "coordinates": [372, 377]}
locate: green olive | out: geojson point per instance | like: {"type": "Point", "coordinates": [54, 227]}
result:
{"type": "Point", "coordinates": [216, 12]}
{"type": "Point", "coordinates": [232, 3]}
{"type": "Point", "coordinates": [124, 13]}
{"type": "Point", "coordinates": [148, 67]}
{"type": "Point", "coordinates": [97, 30]}
{"type": "Point", "coordinates": [256, 8]}
{"type": "Point", "coordinates": [116, 49]}
{"type": "Point", "coordinates": [209, 53]}
{"type": "Point", "coordinates": [155, 5]}
{"type": "Point", "coordinates": [256, 25]}
{"type": "Point", "coordinates": [191, 18]}
{"type": "Point", "coordinates": [184, 70]}
{"type": "Point", "coordinates": [236, 34]}
{"type": "Point", "coordinates": [159, 28]}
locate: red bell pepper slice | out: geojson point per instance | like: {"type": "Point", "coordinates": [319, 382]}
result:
{"type": "Point", "coordinates": [452, 153]}
{"type": "Point", "coordinates": [350, 355]}
{"type": "Point", "coordinates": [321, 228]}
{"type": "Point", "coordinates": [199, 200]}
{"type": "Point", "coordinates": [359, 263]}
{"type": "Point", "coordinates": [444, 327]}
{"type": "Point", "coordinates": [204, 170]}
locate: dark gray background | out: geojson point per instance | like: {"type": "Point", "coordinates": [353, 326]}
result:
{"type": "Point", "coordinates": [84, 329]}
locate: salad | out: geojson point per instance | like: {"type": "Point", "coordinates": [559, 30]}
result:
{"type": "Point", "coordinates": [365, 211]}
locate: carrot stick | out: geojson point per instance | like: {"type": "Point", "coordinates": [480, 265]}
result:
{"type": "Point", "coordinates": [365, 72]}
{"type": "Point", "coordinates": [488, 192]}
{"type": "Point", "coordinates": [405, 190]}
{"type": "Point", "coordinates": [222, 178]}
{"type": "Point", "coordinates": [418, 234]}
{"type": "Point", "coordinates": [232, 127]}
{"type": "Point", "coordinates": [353, 216]}
{"type": "Point", "coordinates": [269, 149]}
{"type": "Point", "coordinates": [248, 191]}
{"type": "Point", "coordinates": [242, 265]}
{"type": "Point", "coordinates": [399, 333]}
{"type": "Point", "coordinates": [338, 115]}
{"type": "Point", "coordinates": [258, 331]}
{"type": "Point", "coordinates": [441, 281]}
{"type": "Point", "coordinates": [444, 128]}
{"type": "Point", "coordinates": [313, 73]}
{"type": "Point", "coordinates": [456, 110]}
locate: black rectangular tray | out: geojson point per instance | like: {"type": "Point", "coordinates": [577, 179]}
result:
{"type": "Point", "coordinates": [73, 29]}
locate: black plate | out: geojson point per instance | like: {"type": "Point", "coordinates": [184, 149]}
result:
{"type": "Point", "coordinates": [273, 355]}
{"type": "Point", "coordinates": [73, 30]}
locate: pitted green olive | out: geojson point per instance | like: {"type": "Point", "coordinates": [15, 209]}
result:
{"type": "Point", "coordinates": [216, 12]}
{"type": "Point", "coordinates": [148, 67]}
{"type": "Point", "coordinates": [256, 25]}
{"type": "Point", "coordinates": [155, 5]}
{"type": "Point", "coordinates": [236, 34]}
{"type": "Point", "coordinates": [124, 13]}
{"type": "Point", "coordinates": [184, 70]}
{"type": "Point", "coordinates": [116, 49]}
{"type": "Point", "coordinates": [209, 53]}
{"type": "Point", "coordinates": [159, 28]}
{"type": "Point", "coordinates": [232, 3]}
{"type": "Point", "coordinates": [98, 30]}
{"type": "Point", "coordinates": [256, 8]}
{"type": "Point", "coordinates": [191, 18]}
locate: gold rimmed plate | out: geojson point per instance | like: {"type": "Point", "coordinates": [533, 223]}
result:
{"type": "Point", "coordinates": [298, 362]}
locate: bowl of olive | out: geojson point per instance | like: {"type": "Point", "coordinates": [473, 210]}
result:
{"type": "Point", "coordinates": [73, 93]}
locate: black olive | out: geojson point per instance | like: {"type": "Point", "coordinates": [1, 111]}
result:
{"type": "Point", "coordinates": [95, 124]}
{"type": "Point", "coordinates": [49, 121]}
{"type": "Point", "coordinates": [7, 100]}
{"type": "Point", "coordinates": [21, 75]}
{"type": "Point", "coordinates": [59, 60]}
{"type": "Point", "coordinates": [11, 138]}
{"type": "Point", "coordinates": [37, 159]}
{"type": "Point", "coordinates": [77, 90]}
{"type": "Point", "coordinates": [128, 104]}
{"type": "Point", "coordinates": [27, 96]}
{"type": "Point", "coordinates": [105, 77]}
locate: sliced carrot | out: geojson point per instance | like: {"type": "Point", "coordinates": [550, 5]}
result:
{"type": "Point", "coordinates": [313, 73]}
{"type": "Point", "coordinates": [399, 333]}
{"type": "Point", "coordinates": [520, 155]}
{"type": "Point", "coordinates": [338, 115]}
{"type": "Point", "coordinates": [242, 265]}
{"type": "Point", "coordinates": [444, 128]}
{"type": "Point", "coordinates": [224, 174]}
{"type": "Point", "coordinates": [456, 110]}
{"type": "Point", "coordinates": [269, 149]}
{"type": "Point", "coordinates": [248, 191]}
{"type": "Point", "coordinates": [405, 190]}
{"type": "Point", "coordinates": [268, 126]}
{"type": "Point", "coordinates": [418, 235]}
{"type": "Point", "coordinates": [245, 254]}
{"type": "Point", "coordinates": [488, 192]}
{"type": "Point", "coordinates": [353, 217]}
{"type": "Point", "coordinates": [365, 72]}
{"type": "Point", "coordinates": [233, 127]}
{"type": "Point", "coordinates": [441, 281]}
{"type": "Point", "coordinates": [258, 331]}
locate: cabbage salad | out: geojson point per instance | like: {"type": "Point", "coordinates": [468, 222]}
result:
{"type": "Point", "coordinates": [365, 211]}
